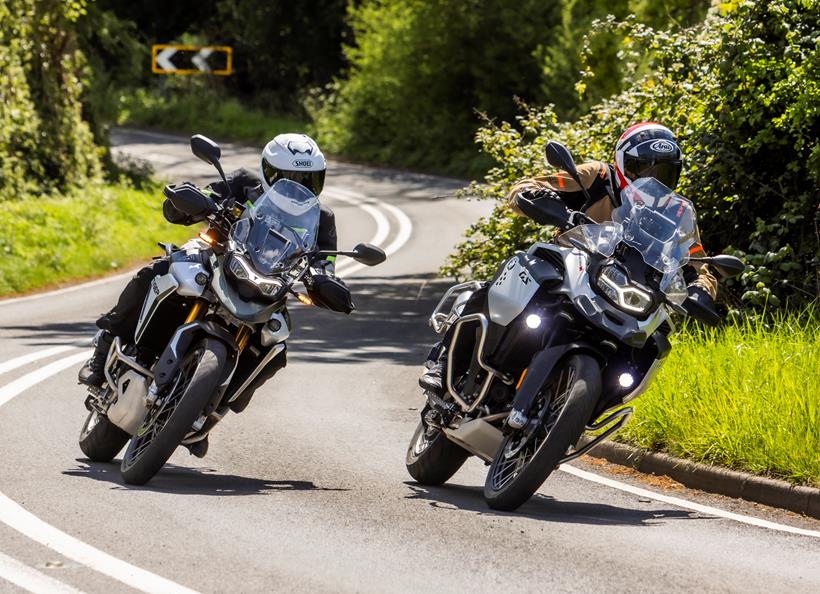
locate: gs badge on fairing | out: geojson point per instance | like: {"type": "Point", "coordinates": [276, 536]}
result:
{"type": "Point", "coordinates": [511, 291]}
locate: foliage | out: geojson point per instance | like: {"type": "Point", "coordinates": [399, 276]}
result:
{"type": "Point", "coordinates": [44, 141]}
{"type": "Point", "coordinates": [190, 108]}
{"type": "Point", "coordinates": [418, 70]}
{"type": "Point", "coordinates": [281, 49]}
{"type": "Point", "coordinates": [61, 238]}
{"type": "Point", "coordinates": [742, 92]}
{"type": "Point", "coordinates": [746, 397]}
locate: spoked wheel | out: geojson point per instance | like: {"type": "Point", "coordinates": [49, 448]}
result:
{"type": "Point", "coordinates": [100, 439]}
{"type": "Point", "coordinates": [432, 458]}
{"type": "Point", "coordinates": [171, 419]}
{"type": "Point", "coordinates": [528, 456]}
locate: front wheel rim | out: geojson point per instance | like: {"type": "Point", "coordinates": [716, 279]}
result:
{"type": "Point", "coordinates": [159, 417]}
{"type": "Point", "coordinates": [523, 445]}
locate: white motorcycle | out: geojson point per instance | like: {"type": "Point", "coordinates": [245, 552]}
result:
{"type": "Point", "coordinates": [213, 324]}
{"type": "Point", "coordinates": [559, 340]}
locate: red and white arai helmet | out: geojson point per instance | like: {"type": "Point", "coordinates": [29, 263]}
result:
{"type": "Point", "coordinates": [648, 150]}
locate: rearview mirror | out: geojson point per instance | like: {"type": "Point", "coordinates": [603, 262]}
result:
{"type": "Point", "coordinates": [559, 156]}
{"type": "Point", "coordinates": [368, 254]}
{"type": "Point", "coordinates": [727, 266]}
{"type": "Point", "coordinates": [205, 149]}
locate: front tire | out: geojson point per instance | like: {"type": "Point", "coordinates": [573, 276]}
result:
{"type": "Point", "coordinates": [565, 405]}
{"type": "Point", "coordinates": [432, 458]}
{"type": "Point", "coordinates": [100, 439]}
{"type": "Point", "coordinates": [167, 426]}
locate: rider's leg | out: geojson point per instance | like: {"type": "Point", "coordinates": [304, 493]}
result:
{"type": "Point", "coordinates": [120, 321]}
{"type": "Point", "coordinates": [267, 372]}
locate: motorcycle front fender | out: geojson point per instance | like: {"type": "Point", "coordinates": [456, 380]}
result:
{"type": "Point", "coordinates": [542, 365]}
{"type": "Point", "coordinates": [179, 344]}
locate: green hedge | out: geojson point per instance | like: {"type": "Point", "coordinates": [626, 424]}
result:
{"type": "Point", "coordinates": [742, 92]}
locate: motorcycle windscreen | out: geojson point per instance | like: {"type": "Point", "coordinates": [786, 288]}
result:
{"type": "Point", "coordinates": [280, 226]}
{"type": "Point", "coordinates": [657, 222]}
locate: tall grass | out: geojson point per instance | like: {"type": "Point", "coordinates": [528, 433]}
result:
{"type": "Point", "coordinates": [47, 240]}
{"type": "Point", "coordinates": [190, 110]}
{"type": "Point", "coordinates": [746, 396]}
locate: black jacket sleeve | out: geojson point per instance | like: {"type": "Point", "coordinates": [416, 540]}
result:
{"type": "Point", "coordinates": [327, 230]}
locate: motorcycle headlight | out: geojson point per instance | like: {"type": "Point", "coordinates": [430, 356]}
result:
{"type": "Point", "coordinates": [243, 271]}
{"type": "Point", "coordinates": [614, 283]}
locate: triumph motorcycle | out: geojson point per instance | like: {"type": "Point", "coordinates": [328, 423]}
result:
{"type": "Point", "coordinates": [210, 326]}
{"type": "Point", "coordinates": [560, 339]}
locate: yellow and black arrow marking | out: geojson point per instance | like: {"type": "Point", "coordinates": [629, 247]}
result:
{"type": "Point", "coordinates": [191, 59]}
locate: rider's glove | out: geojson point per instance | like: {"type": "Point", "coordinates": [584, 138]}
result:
{"type": "Point", "coordinates": [541, 194]}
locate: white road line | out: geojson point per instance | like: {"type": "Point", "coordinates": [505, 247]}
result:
{"type": "Point", "coordinates": [347, 267]}
{"type": "Point", "coordinates": [21, 384]}
{"type": "Point", "coordinates": [26, 523]}
{"type": "Point", "coordinates": [28, 578]}
{"type": "Point", "coordinates": [676, 501]}
{"type": "Point", "coordinates": [12, 364]}
{"type": "Point", "coordinates": [405, 224]}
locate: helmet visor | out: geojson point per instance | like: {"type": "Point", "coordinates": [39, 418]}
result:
{"type": "Point", "coordinates": [666, 171]}
{"type": "Point", "coordinates": [312, 180]}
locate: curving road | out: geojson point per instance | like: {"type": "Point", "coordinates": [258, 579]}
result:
{"type": "Point", "coordinates": [306, 490]}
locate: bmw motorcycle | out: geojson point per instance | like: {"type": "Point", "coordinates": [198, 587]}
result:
{"type": "Point", "coordinates": [559, 340]}
{"type": "Point", "coordinates": [213, 324]}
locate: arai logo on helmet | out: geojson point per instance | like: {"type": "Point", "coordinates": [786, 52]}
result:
{"type": "Point", "coordinates": [662, 146]}
{"type": "Point", "coordinates": [302, 163]}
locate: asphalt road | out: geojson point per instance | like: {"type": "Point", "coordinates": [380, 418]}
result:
{"type": "Point", "coordinates": [306, 490]}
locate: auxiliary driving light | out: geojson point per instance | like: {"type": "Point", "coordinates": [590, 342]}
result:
{"type": "Point", "coordinates": [626, 380]}
{"type": "Point", "coordinates": [533, 321]}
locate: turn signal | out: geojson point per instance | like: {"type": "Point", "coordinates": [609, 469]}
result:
{"type": "Point", "coordinates": [204, 236]}
{"type": "Point", "coordinates": [304, 298]}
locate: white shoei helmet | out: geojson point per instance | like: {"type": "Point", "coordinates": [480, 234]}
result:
{"type": "Point", "coordinates": [296, 157]}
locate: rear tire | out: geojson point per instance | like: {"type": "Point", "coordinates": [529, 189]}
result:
{"type": "Point", "coordinates": [432, 460]}
{"type": "Point", "coordinates": [575, 387]}
{"type": "Point", "coordinates": [163, 430]}
{"type": "Point", "coordinates": [100, 439]}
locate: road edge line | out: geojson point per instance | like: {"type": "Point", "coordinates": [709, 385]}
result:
{"type": "Point", "coordinates": [712, 479]}
{"type": "Point", "coordinates": [13, 515]}
{"type": "Point", "coordinates": [29, 579]}
{"type": "Point", "coordinates": [683, 503]}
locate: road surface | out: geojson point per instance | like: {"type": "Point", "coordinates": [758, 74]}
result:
{"type": "Point", "coordinates": [306, 490]}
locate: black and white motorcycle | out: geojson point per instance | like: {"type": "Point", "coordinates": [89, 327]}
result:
{"type": "Point", "coordinates": [210, 326]}
{"type": "Point", "coordinates": [559, 340]}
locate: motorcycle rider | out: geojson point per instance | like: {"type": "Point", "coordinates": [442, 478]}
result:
{"type": "Point", "coordinates": [296, 157]}
{"type": "Point", "coordinates": [646, 149]}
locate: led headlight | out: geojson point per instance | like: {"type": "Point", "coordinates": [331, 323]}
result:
{"type": "Point", "coordinates": [614, 283]}
{"type": "Point", "coordinates": [243, 272]}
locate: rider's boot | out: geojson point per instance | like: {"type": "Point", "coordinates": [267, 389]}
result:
{"type": "Point", "coordinates": [199, 448]}
{"type": "Point", "coordinates": [93, 372]}
{"type": "Point", "coordinates": [432, 379]}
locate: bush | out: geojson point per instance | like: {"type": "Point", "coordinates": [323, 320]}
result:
{"type": "Point", "coordinates": [192, 107]}
{"type": "Point", "coordinates": [44, 141]}
{"type": "Point", "coordinates": [418, 71]}
{"type": "Point", "coordinates": [742, 92]}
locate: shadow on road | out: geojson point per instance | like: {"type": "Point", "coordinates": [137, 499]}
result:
{"type": "Point", "coordinates": [545, 508]}
{"type": "Point", "coordinates": [177, 480]}
{"type": "Point", "coordinates": [80, 333]}
{"type": "Point", "coordinates": [389, 326]}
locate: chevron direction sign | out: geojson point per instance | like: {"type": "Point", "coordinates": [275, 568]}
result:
{"type": "Point", "coordinates": [191, 59]}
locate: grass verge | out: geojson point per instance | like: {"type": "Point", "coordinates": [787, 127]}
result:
{"type": "Point", "coordinates": [47, 240]}
{"type": "Point", "coordinates": [202, 111]}
{"type": "Point", "coordinates": [746, 396]}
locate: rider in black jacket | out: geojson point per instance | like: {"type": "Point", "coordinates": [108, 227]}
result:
{"type": "Point", "coordinates": [288, 156]}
